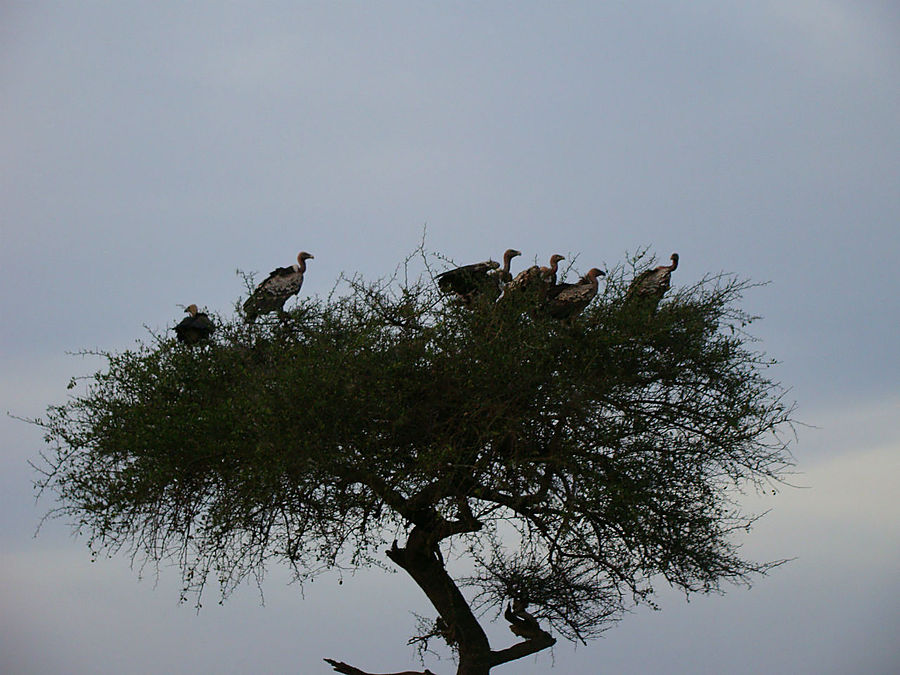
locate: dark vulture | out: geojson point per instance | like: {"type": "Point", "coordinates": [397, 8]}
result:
{"type": "Point", "coordinates": [194, 328]}
{"type": "Point", "coordinates": [540, 278]}
{"type": "Point", "coordinates": [651, 285]}
{"type": "Point", "coordinates": [272, 293]}
{"type": "Point", "coordinates": [568, 300]}
{"type": "Point", "coordinates": [521, 622]}
{"type": "Point", "coordinates": [468, 281]}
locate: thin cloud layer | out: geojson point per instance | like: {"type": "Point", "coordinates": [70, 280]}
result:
{"type": "Point", "coordinates": [149, 151]}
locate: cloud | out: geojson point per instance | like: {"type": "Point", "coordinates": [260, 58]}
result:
{"type": "Point", "coordinates": [844, 37]}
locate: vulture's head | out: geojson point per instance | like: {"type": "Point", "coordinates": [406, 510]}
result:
{"type": "Point", "coordinates": [303, 255]}
{"type": "Point", "coordinates": [191, 309]}
{"type": "Point", "coordinates": [674, 259]}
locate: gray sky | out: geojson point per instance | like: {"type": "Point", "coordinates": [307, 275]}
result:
{"type": "Point", "coordinates": [148, 150]}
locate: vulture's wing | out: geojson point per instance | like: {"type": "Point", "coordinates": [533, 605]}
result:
{"type": "Point", "coordinates": [467, 278]}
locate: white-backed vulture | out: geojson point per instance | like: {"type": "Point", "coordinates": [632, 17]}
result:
{"type": "Point", "coordinates": [651, 285]}
{"type": "Point", "coordinates": [508, 255]}
{"type": "Point", "coordinates": [274, 291]}
{"type": "Point", "coordinates": [539, 278]}
{"type": "Point", "coordinates": [548, 274]}
{"type": "Point", "coordinates": [568, 300]}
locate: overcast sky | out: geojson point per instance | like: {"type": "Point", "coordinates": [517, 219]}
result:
{"type": "Point", "coordinates": [148, 150]}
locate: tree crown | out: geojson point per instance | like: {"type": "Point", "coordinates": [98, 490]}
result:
{"type": "Point", "coordinates": [573, 461]}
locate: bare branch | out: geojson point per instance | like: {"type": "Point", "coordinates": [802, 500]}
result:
{"type": "Point", "coordinates": [341, 667]}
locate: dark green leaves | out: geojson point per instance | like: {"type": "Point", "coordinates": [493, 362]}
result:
{"type": "Point", "coordinates": [607, 445]}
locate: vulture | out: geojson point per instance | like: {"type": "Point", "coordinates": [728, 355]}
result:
{"type": "Point", "coordinates": [470, 280]}
{"type": "Point", "coordinates": [272, 293]}
{"type": "Point", "coordinates": [530, 277]}
{"type": "Point", "coordinates": [521, 622]}
{"type": "Point", "coordinates": [194, 328]}
{"type": "Point", "coordinates": [508, 255]}
{"type": "Point", "coordinates": [548, 274]}
{"type": "Point", "coordinates": [651, 285]}
{"type": "Point", "coordinates": [568, 300]}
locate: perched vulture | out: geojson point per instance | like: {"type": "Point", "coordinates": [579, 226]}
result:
{"type": "Point", "coordinates": [651, 285]}
{"type": "Point", "coordinates": [501, 278]}
{"type": "Point", "coordinates": [469, 280]}
{"type": "Point", "coordinates": [534, 277]}
{"type": "Point", "coordinates": [521, 622]}
{"type": "Point", "coordinates": [272, 293]}
{"type": "Point", "coordinates": [548, 274]}
{"type": "Point", "coordinates": [194, 328]}
{"type": "Point", "coordinates": [508, 255]}
{"type": "Point", "coordinates": [568, 300]}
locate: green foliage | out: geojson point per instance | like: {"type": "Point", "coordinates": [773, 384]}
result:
{"type": "Point", "coordinates": [574, 461]}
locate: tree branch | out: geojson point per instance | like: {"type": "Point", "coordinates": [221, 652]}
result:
{"type": "Point", "coordinates": [524, 625]}
{"type": "Point", "coordinates": [420, 560]}
{"type": "Point", "coordinates": [347, 669]}
{"type": "Point", "coordinates": [391, 497]}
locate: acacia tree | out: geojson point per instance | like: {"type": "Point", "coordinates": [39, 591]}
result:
{"type": "Point", "coordinates": [573, 463]}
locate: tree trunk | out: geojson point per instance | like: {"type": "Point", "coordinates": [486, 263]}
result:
{"type": "Point", "coordinates": [472, 667]}
{"type": "Point", "coordinates": [420, 559]}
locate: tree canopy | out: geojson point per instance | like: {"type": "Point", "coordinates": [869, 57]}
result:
{"type": "Point", "coordinates": [574, 463]}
